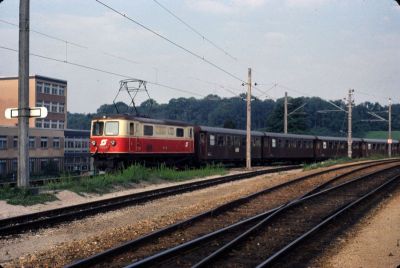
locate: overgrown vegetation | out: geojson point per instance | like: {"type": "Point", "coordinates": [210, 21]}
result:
{"type": "Point", "coordinates": [332, 162]}
{"type": "Point", "coordinates": [216, 111]}
{"type": "Point", "coordinates": [132, 175]}
{"type": "Point", "coordinates": [24, 197]}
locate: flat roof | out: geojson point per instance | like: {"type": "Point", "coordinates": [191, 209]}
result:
{"type": "Point", "coordinates": [36, 76]}
{"type": "Point", "coordinates": [229, 131]}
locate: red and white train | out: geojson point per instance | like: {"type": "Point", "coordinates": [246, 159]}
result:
{"type": "Point", "coordinates": [121, 140]}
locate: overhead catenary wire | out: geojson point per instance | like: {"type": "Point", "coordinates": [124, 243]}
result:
{"type": "Point", "coordinates": [172, 42]}
{"type": "Point", "coordinates": [194, 30]}
{"type": "Point", "coordinates": [103, 71]}
{"type": "Point", "coordinates": [64, 41]}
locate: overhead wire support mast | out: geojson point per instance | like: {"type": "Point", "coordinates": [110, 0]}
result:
{"type": "Point", "coordinates": [195, 31]}
{"type": "Point", "coordinates": [349, 130]}
{"type": "Point", "coordinates": [23, 95]}
{"type": "Point", "coordinates": [172, 42]}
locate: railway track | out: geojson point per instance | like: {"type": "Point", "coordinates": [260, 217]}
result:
{"type": "Point", "coordinates": [236, 215]}
{"type": "Point", "coordinates": [34, 221]}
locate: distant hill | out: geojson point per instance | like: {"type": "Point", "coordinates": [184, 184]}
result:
{"type": "Point", "coordinates": [382, 135]}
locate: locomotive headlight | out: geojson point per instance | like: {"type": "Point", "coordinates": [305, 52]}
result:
{"type": "Point", "coordinates": [113, 142]}
{"type": "Point", "coordinates": [94, 143]}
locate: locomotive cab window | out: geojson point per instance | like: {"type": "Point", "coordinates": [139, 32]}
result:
{"type": "Point", "coordinates": [148, 130]}
{"type": "Point", "coordinates": [98, 128]}
{"type": "Point", "coordinates": [131, 129]}
{"type": "Point", "coordinates": [179, 132]}
{"type": "Point", "coordinates": [112, 128]}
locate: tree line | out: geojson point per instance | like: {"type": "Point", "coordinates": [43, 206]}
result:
{"type": "Point", "coordinates": [316, 117]}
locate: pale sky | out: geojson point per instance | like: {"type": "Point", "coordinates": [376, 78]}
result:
{"type": "Point", "coordinates": [314, 47]}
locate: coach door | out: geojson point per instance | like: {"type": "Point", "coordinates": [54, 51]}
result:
{"type": "Point", "coordinates": [132, 137]}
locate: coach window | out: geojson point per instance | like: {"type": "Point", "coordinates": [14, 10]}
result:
{"type": "Point", "coordinates": [212, 140]}
{"type": "Point", "coordinates": [171, 131]}
{"type": "Point", "coordinates": [236, 141]}
{"type": "Point", "coordinates": [131, 129]}
{"type": "Point", "coordinates": [112, 128]}
{"type": "Point", "coordinates": [190, 132]}
{"type": "Point", "coordinates": [273, 143]}
{"type": "Point", "coordinates": [220, 140]}
{"type": "Point", "coordinates": [324, 145]}
{"type": "Point", "coordinates": [229, 140]}
{"type": "Point", "coordinates": [179, 132]}
{"type": "Point", "coordinates": [161, 130]}
{"type": "Point", "coordinates": [98, 128]}
{"type": "Point", "coordinates": [148, 130]}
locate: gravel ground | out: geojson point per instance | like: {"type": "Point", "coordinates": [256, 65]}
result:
{"type": "Point", "coordinates": [60, 245]}
{"type": "Point", "coordinates": [373, 242]}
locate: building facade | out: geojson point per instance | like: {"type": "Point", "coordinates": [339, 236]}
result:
{"type": "Point", "coordinates": [46, 152]}
{"type": "Point", "coordinates": [43, 92]}
{"type": "Point", "coordinates": [52, 147]}
{"type": "Point", "coordinates": [77, 156]}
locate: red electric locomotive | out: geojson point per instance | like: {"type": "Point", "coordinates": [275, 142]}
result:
{"type": "Point", "coordinates": [120, 140]}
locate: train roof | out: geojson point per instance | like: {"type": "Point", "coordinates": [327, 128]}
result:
{"type": "Point", "coordinates": [326, 138]}
{"type": "Point", "coordinates": [295, 136]}
{"type": "Point", "coordinates": [378, 140]}
{"type": "Point", "coordinates": [229, 131]}
{"type": "Point", "coordinates": [144, 120]}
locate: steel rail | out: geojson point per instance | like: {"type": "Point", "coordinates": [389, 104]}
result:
{"type": "Point", "coordinates": [245, 234]}
{"type": "Point", "coordinates": [42, 219]}
{"type": "Point", "coordinates": [329, 219]}
{"type": "Point", "coordinates": [95, 259]}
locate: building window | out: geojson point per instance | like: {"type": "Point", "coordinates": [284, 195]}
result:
{"type": "Point", "coordinates": [46, 88]}
{"type": "Point", "coordinates": [39, 87]}
{"type": "Point", "coordinates": [3, 167]}
{"type": "Point", "coordinates": [31, 165]}
{"type": "Point", "coordinates": [32, 142]}
{"type": "Point", "coordinates": [147, 130]}
{"type": "Point", "coordinates": [15, 142]}
{"type": "Point", "coordinates": [61, 90]}
{"type": "Point", "coordinates": [53, 107]}
{"type": "Point", "coordinates": [61, 124]}
{"type": "Point", "coordinates": [61, 107]}
{"type": "Point", "coordinates": [3, 142]}
{"type": "Point", "coordinates": [54, 89]}
{"type": "Point", "coordinates": [43, 142]}
{"type": "Point", "coordinates": [14, 165]}
{"type": "Point", "coordinates": [53, 123]}
{"type": "Point", "coordinates": [56, 142]}
{"type": "Point", "coordinates": [39, 123]}
{"type": "Point", "coordinates": [39, 103]}
{"type": "Point", "coordinates": [47, 105]}
{"type": "Point", "coordinates": [46, 123]}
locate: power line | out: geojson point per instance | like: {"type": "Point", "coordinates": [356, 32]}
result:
{"type": "Point", "coordinates": [88, 48]}
{"type": "Point", "coordinates": [195, 31]}
{"type": "Point", "coordinates": [171, 42]}
{"type": "Point", "coordinates": [103, 71]}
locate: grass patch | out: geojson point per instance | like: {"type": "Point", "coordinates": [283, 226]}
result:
{"type": "Point", "coordinates": [332, 162]}
{"type": "Point", "coordinates": [132, 175]}
{"type": "Point", "coordinates": [24, 197]}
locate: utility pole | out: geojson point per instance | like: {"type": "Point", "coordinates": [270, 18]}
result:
{"type": "Point", "coordinates": [248, 123]}
{"type": "Point", "coordinates": [285, 123]}
{"type": "Point", "coordinates": [390, 129]}
{"type": "Point", "coordinates": [23, 95]}
{"type": "Point", "coordinates": [349, 126]}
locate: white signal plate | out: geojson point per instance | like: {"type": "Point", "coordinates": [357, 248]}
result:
{"type": "Point", "coordinates": [37, 112]}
